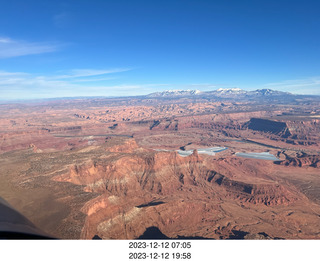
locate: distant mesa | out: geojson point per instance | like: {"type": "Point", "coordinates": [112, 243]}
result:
{"type": "Point", "coordinates": [269, 126]}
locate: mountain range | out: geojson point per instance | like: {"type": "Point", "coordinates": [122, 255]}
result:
{"type": "Point", "coordinates": [221, 93]}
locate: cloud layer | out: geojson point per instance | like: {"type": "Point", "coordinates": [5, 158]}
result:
{"type": "Point", "coordinates": [298, 86]}
{"type": "Point", "coordinates": [76, 82]}
{"type": "Point", "coordinates": [14, 48]}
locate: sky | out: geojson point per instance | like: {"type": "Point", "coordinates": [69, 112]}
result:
{"type": "Point", "coordinates": [134, 47]}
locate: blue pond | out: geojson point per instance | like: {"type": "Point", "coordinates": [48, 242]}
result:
{"type": "Point", "coordinates": [256, 155]}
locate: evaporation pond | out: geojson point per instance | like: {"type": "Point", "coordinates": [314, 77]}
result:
{"type": "Point", "coordinates": [209, 151]}
{"type": "Point", "coordinates": [256, 155]}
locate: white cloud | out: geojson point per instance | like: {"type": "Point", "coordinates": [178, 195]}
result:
{"type": "Point", "coordinates": [19, 85]}
{"type": "Point", "coordinates": [95, 79]}
{"type": "Point", "coordinates": [5, 40]}
{"type": "Point", "coordinates": [14, 48]}
{"type": "Point", "coordinates": [298, 86]}
{"type": "Point", "coordinates": [75, 73]}
{"type": "Point", "coordinates": [7, 74]}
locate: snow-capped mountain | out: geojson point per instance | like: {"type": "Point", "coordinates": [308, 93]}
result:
{"type": "Point", "coordinates": [229, 93]}
{"type": "Point", "coordinates": [268, 92]}
{"type": "Point", "coordinates": [175, 93]}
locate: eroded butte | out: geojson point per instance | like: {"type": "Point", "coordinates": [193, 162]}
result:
{"type": "Point", "coordinates": [187, 167]}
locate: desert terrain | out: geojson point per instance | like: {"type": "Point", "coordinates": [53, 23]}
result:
{"type": "Point", "coordinates": [215, 165]}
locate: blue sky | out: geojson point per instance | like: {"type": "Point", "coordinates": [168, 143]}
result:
{"type": "Point", "coordinates": [115, 48]}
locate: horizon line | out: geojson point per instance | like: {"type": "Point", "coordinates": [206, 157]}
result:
{"type": "Point", "coordinates": [137, 95]}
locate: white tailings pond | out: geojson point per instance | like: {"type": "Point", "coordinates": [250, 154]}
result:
{"type": "Point", "coordinates": [256, 155]}
{"type": "Point", "coordinates": [213, 150]}
{"type": "Point", "coordinates": [209, 151]}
